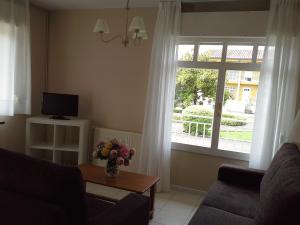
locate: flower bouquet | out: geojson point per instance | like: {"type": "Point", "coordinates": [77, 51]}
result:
{"type": "Point", "coordinates": [116, 155]}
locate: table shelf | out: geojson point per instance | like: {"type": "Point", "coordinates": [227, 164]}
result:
{"type": "Point", "coordinates": [61, 137]}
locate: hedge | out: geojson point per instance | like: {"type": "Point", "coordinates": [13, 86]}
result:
{"type": "Point", "coordinates": [190, 112]}
{"type": "Point", "coordinates": [197, 110]}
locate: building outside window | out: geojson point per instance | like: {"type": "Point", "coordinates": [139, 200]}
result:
{"type": "Point", "coordinates": [216, 89]}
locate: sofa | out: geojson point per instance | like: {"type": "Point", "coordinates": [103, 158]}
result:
{"type": "Point", "coordinates": [243, 196]}
{"type": "Point", "coordinates": [36, 192]}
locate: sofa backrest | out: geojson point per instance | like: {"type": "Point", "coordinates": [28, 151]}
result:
{"type": "Point", "coordinates": [280, 189]}
{"type": "Point", "coordinates": [44, 181]}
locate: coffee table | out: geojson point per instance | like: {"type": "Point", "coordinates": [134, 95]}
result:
{"type": "Point", "coordinates": [128, 181]}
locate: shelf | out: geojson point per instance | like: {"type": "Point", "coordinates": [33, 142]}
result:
{"type": "Point", "coordinates": [59, 141]}
{"type": "Point", "coordinates": [68, 148]}
{"type": "Point", "coordinates": [42, 145]}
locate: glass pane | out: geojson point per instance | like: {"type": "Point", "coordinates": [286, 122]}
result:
{"type": "Point", "coordinates": [185, 52]}
{"type": "Point", "coordinates": [238, 110]}
{"type": "Point", "coordinates": [210, 53]}
{"type": "Point", "coordinates": [239, 53]}
{"type": "Point", "coordinates": [194, 106]}
{"type": "Point", "coordinates": [260, 54]}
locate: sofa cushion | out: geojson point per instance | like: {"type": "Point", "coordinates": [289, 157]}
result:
{"type": "Point", "coordinates": [207, 215]}
{"type": "Point", "coordinates": [234, 199]}
{"type": "Point", "coordinates": [55, 184]}
{"type": "Point", "coordinates": [17, 209]}
{"type": "Point", "coordinates": [280, 189]}
{"type": "Point", "coordinates": [97, 206]}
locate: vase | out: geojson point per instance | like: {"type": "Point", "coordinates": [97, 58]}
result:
{"type": "Point", "coordinates": [112, 168]}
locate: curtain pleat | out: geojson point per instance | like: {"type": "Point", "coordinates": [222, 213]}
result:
{"type": "Point", "coordinates": [156, 140]}
{"type": "Point", "coordinates": [15, 62]}
{"type": "Point", "coordinates": [277, 95]}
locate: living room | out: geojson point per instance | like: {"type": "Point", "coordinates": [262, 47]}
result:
{"type": "Point", "coordinates": [236, 114]}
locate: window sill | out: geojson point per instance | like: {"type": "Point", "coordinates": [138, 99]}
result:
{"type": "Point", "coordinates": [207, 151]}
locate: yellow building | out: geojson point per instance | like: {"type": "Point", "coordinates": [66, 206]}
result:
{"type": "Point", "coordinates": [243, 85]}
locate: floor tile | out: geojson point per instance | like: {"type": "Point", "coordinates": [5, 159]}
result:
{"type": "Point", "coordinates": [170, 218]}
{"type": "Point", "coordinates": [154, 223]}
{"type": "Point", "coordinates": [171, 208]}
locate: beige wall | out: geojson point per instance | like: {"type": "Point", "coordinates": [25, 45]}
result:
{"type": "Point", "coordinates": [252, 23]}
{"type": "Point", "coordinates": [12, 134]}
{"type": "Point", "coordinates": [197, 171]}
{"type": "Point", "coordinates": [110, 79]}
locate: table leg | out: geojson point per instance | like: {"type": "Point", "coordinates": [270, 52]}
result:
{"type": "Point", "coordinates": [84, 186]}
{"type": "Point", "coordinates": [152, 199]}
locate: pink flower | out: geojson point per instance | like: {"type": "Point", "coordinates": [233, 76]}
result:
{"type": "Point", "coordinates": [124, 151]}
{"type": "Point", "coordinates": [113, 153]}
{"type": "Point", "coordinates": [132, 152]}
{"type": "Point", "coordinates": [120, 161]}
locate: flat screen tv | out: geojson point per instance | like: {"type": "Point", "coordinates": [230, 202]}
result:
{"type": "Point", "coordinates": [60, 105]}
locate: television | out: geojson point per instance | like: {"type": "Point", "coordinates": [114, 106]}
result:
{"type": "Point", "coordinates": [60, 105]}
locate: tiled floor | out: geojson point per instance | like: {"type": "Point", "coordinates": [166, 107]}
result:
{"type": "Point", "coordinates": [174, 208]}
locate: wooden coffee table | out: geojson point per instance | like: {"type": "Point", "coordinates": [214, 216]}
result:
{"type": "Point", "coordinates": [128, 181]}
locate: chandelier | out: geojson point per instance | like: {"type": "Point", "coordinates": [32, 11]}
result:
{"type": "Point", "coordinates": [134, 33]}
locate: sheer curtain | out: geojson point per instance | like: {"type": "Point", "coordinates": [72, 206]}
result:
{"type": "Point", "coordinates": [15, 72]}
{"type": "Point", "coordinates": [277, 95]}
{"type": "Point", "coordinates": [156, 140]}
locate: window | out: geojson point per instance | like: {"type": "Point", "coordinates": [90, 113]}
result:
{"type": "Point", "coordinates": [210, 53]}
{"type": "Point", "coordinates": [248, 76]}
{"type": "Point", "coordinates": [15, 73]}
{"type": "Point", "coordinates": [186, 52]}
{"type": "Point", "coordinates": [260, 53]}
{"type": "Point", "coordinates": [6, 63]}
{"type": "Point", "coordinates": [231, 90]}
{"type": "Point", "coordinates": [233, 75]}
{"type": "Point", "coordinates": [216, 91]}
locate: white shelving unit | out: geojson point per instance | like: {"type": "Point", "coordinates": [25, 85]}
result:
{"type": "Point", "coordinates": [59, 141]}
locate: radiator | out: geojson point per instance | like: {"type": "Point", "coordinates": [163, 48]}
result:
{"type": "Point", "coordinates": [130, 139]}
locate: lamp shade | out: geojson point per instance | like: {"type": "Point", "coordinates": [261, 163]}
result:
{"type": "Point", "coordinates": [140, 36]}
{"type": "Point", "coordinates": [143, 35]}
{"type": "Point", "coordinates": [101, 27]}
{"type": "Point", "coordinates": [294, 135]}
{"type": "Point", "coordinates": [137, 24]}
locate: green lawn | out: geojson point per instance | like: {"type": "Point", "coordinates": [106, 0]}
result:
{"type": "Point", "coordinates": [237, 135]}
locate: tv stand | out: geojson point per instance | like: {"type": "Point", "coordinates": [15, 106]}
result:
{"type": "Point", "coordinates": [59, 141]}
{"type": "Point", "coordinates": [56, 117]}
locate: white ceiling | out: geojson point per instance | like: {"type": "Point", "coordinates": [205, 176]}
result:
{"type": "Point", "coordinates": [89, 4]}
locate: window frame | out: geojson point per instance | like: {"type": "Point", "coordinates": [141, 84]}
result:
{"type": "Point", "coordinates": [222, 66]}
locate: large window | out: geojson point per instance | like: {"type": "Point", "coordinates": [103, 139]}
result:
{"type": "Point", "coordinates": [216, 89]}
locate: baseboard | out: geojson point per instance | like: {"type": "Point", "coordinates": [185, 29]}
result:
{"type": "Point", "coordinates": [187, 189]}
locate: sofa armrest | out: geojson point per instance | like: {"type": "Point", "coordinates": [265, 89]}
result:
{"type": "Point", "coordinates": [133, 210]}
{"type": "Point", "coordinates": [240, 175]}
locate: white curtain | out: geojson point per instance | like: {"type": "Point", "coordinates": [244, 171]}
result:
{"type": "Point", "coordinates": [15, 70]}
{"type": "Point", "coordinates": [156, 140]}
{"type": "Point", "coordinates": [277, 95]}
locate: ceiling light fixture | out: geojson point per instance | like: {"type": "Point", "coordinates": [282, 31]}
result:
{"type": "Point", "coordinates": [135, 33]}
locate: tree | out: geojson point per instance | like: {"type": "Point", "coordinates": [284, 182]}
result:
{"type": "Point", "coordinates": [192, 83]}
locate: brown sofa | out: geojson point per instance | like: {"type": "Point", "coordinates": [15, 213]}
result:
{"type": "Point", "coordinates": [252, 197]}
{"type": "Point", "coordinates": [35, 192]}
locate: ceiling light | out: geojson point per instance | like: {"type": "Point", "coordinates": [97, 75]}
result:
{"type": "Point", "coordinates": [137, 29]}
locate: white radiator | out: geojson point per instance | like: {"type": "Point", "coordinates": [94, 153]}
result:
{"type": "Point", "coordinates": [130, 139]}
